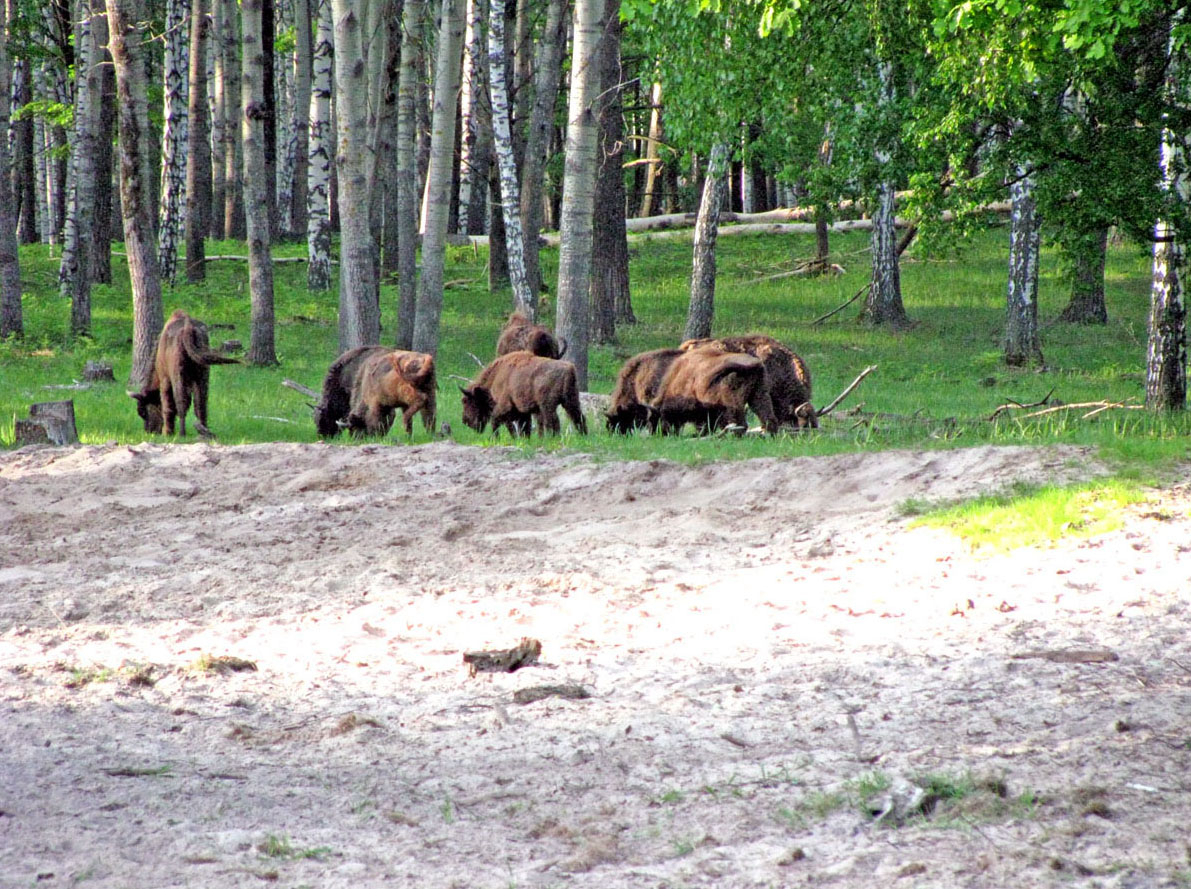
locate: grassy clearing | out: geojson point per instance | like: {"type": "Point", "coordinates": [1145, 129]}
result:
{"type": "Point", "coordinates": [935, 385]}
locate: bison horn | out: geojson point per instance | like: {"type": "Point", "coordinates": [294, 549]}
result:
{"type": "Point", "coordinates": [563, 348]}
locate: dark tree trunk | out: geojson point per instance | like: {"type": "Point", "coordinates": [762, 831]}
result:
{"type": "Point", "coordinates": [23, 167]}
{"type": "Point", "coordinates": [702, 305]}
{"type": "Point", "coordinates": [498, 249]}
{"type": "Point", "coordinates": [1087, 305]}
{"type": "Point", "coordinates": [261, 349]}
{"type": "Point", "coordinates": [11, 319]}
{"type": "Point", "coordinates": [407, 172]}
{"type": "Point", "coordinates": [269, 76]}
{"type": "Point", "coordinates": [1021, 327]}
{"type": "Point", "coordinates": [105, 205]}
{"type": "Point", "coordinates": [198, 163]}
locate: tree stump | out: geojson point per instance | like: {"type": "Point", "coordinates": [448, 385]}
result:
{"type": "Point", "coordinates": [96, 371]}
{"type": "Point", "coordinates": [229, 346]}
{"type": "Point", "coordinates": [50, 422]}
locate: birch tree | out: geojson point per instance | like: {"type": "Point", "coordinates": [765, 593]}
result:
{"type": "Point", "coordinates": [1021, 326]}
{"type": "Point", "coordinates": [469, 178]}
{"type": "Point", "coordinates": [198, 160]}
{"type": "Point", "coordinates": [219, 120]}
{"type": "Point", "coordinates": [702, 305]}
{"type": "Point", "coordinates": [359, 299]}
{"type": "Point", "coordinates": [524, 298]}
{"type": "Point", "coordinates": [303, 63]}
{"type": "Point", "coordinates": [125, 43]}
{"type": "Point", "coordinates": [233, 194]}
{"type": "Point", "coordinates": [11, 319]}
{"type": "Point", "coordinates": [447, 67]}
{"type": "Point", "coordinates": [174, 136]}
{"type": "Point", "coordinates": [578, 190]}
{"type": "Point", "coordinates": [318, 175]}
{"type": "Point", "coordinates": [407, 172]}
{"type": "Point", "coordinates": [261, 349]}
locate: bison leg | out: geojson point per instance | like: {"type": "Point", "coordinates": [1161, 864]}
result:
{"type": "Point", "coordinates": [169, 408]}
{"type": "Point", "coordinates": [200, 409]}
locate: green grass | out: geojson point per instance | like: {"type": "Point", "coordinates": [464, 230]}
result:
{"type": "Point", "coordinates": [935, 384]}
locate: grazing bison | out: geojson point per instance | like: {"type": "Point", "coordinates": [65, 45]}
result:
{"type": "Point", "coordinates": [789, 378]}
{"type": "Point", "coordinates": [518, 386]}
{"type": "Point", "coordinates": [389, 380]}
{"type": "Point", "coordinates": [711, 388]}
{"type": "Point", "coordinates": [181, 374]}
{"type": "Point", "coordinates": [335, 405]}
{"type": "Point", "coordinates": [520, 333]}
{"type": "Point", "coordinates": [637, 385]}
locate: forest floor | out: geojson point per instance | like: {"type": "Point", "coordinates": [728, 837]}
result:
{"type": "Point", "coordinates": [773, 659]}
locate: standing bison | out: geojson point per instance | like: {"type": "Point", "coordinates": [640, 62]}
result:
{"type": "Point", "coordinates": [519, 386]}
{"type": "Point", "coordinates": [712, 389]}
{"type": "Point", "coordinates": [365, 386]}
{"type": "Point", "coordinates": [789, 378]}
{"type": "Point", "coordinates": [181, 374]}
{"type": "Point", "coordinates": [520, 333]}
{"type": "Point", "coordinates": [637, 385]}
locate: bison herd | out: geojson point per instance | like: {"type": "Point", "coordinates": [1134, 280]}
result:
{"type": "Point", "coordinates": [710, 383]}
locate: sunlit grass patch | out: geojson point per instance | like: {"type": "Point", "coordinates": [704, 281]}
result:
{"type": "Point", "coordinates": [1034, 515]}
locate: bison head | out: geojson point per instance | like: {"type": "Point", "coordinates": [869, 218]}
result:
{"type": "Point", "coordinates": [148, 408]}
{"type": "Point", "coordinates": [806, 416]}
{"type": "Point", "coordinates": [477, 407]}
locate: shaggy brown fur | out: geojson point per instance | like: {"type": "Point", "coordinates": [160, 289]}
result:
{"type": "Point", "coordinates": [181, 373]}
{"type": "Point", "coordinates": [518, 386]}
{"type": "Point", "coordinates": [520, 333]}
{"type": "Point", "coordinates": [711, 388]}
{"type": "Point", "coordinates": [337, 389]}
{"type": "Point", "coordinates": [789, 378]}
{"type": "Point", "coordinates": [389, 380]}
{"type": "Point", "coordinates": [637, 385]}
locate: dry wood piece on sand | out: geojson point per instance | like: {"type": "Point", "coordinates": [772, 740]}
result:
{"type": "Point", "coordinates": [1070, 655]}
{"type": "Point", "coordinates": [541, 692]}
{"type": "Point", "coordinates": [507, 660]}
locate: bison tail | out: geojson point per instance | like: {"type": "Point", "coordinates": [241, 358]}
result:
{"type": "Point", "coordinates": [200, 353]}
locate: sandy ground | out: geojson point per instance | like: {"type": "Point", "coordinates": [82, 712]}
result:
{"type": "Point", "coordinates": [772, 658]}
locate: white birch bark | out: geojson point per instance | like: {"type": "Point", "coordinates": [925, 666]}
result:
{"type": "Point", "coordinates": [1021, 326]}
{"type": "Point", "coordinates": [701, 310]}
{"type": "Point", "coordinates": [321, 141]}
{"type": "Point", "coordinates": [524, 298]}
{"type": "Point", "coordinates": [448, 63]}
{"type": "Point", "coordinates": [41, 188]}
{"type": "Point", "coordinates": [283, 67]}
{"type": "Point", "coordinates": [407, 171]}
{"type": "Point", "coordinates": [573, 320]}
{"type": "Point", "coordinates": [469, 178]}
{"type": "Point", "coordinates": [174, 135]}
{"type": "Point", "coordinates": [884, 304]}
{"type": "Point", "coordinates": [303, 62]}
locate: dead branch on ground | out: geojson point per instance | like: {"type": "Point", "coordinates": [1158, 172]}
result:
{"type": "Point", "coordinates": [1098, 405]}
{"type": "Point", "coordinates": [856, 382]}
{"type": "Point", "coordinates": [859, 293]}
{"type": "Point", "coordinates": [298, 387]}
{"type": "Point", "coordinates": [1015, 405]}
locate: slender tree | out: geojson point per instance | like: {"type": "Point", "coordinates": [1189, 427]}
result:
{"type": "Point", "coordinates": [1021, 327]}
{"type": "Point", "coordinates": [359, 298]}
{"type": "Point", "coordinates": [23, 164]}
{"type": "Point", "coordinates": [407, 172]}
{"type": "Point", "coordinates": [434, 240]}
{"type": "Point", "coordinates": [884, 302]}
{"type": "Point", "coordinates": [303, 67]}
{"type": "Point", "coordinates": [125, 43]}
{"type": "Point", "coordinates": [578, 195]}
{"type": "Point", "coordinates": [233, 193]}
{"type": "Point", "coordinates": [715, 186]}
{"type": "Point", "coordinates": [11, 320]}
{"type": "Point", "coordinates": [174, 138]}
{"type": "Point", "coordinates": [1087, 251]}
{"type": "Point", "coordinates": [198, 162]}
{"type": "Point", "coordinates": [469, 178]}
{"type": "Point", "coordinates": [106, 217]}
{"type": "Point", "coordinates": [261, 349]}
{"type": "Point", "coordinates": [322, 140]}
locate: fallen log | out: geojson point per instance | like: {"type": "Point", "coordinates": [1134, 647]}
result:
{"type": "Point", "coordinates": [298, 387]}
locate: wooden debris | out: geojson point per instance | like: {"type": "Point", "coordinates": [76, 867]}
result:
{"type": "Point", "coordinates": [506, 660]}
{"type": "Point", "coordinates": [1014, 405]}
{"type": "Point", "coordinates": [1098, 405]}
{"type": "Point", "coordinates": [856, 382]}
{"type": "Point", "coordinates": [298, 387]}
{"type": "Point", "coordinates": [50, 422]}
{"type": "Point", "coordinates": [541, 692]}
{"type": "Point", "coordinates": [855, 296]}
{"type": "Point", "coordinates": [223, 664]}
{"type": "Point", "coordinates": [96, 371]}
{"type": "Point", "coordinates": [1070, 655]}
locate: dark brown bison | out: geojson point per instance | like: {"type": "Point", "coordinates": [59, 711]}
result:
{"type": "Point", "coordinates": [390, 380]}
{"type": "Point", "coordinates": [519, 386]}
{"type": "Point", "coordinates": [789, 378]}
{"type": "Point", "coordinates": [637, 385]}
{"type": "Point", "coordinates": [712, 388]}
{"type": "Point", "coordinates": [181, 374]}
{"type": "Point", "coordinates": [330, 415]}
{"type": "Point", "coordinates": [520, 333]}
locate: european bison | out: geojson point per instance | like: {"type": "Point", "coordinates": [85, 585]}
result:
{"type": "Point", "coordinates": [365, 386]}
{"type": "Point", "coordinates": [520, 333]}
{"type": "Point", "coordinates": [789, 378]}
{"type": "Point", "coordinates": [637, 385]}
{"type": "Point", "coordinates": [518, 386]}
{"type": "Point", "coordinates": [711, 388]}
{"type": "Point", "coordinates": [181, 373]}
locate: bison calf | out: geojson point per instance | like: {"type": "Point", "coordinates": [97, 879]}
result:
{"type": "Point", "coordinates": [331, 412]}
{"type": "Point", "coordinates": [364, 387]}
{"type": "Point", "coordinates": [711, 388]}
{"type": "Point", "coordinates": [519, 386]}
{"type": "Point", "coordinates": [789, 378]}
{"type": "Point", "coordinates": [181, 374]}
{"type": "Point", "coordinates": [520, 333]}
{"type": "Point", "coordinates": [637, 385]}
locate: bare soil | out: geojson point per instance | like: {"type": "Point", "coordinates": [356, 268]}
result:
{"type": "Point", "coordinates": [787, 685]}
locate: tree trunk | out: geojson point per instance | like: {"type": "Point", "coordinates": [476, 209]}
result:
{"type": "Point", "coordinates": [390, 231]}
{"type": "Point", "coordinates": [359, 300]}
{"type": "Point", "coordinates": [74, 273]}
{"type": "Point", "coordinates": [547, 77]}
{"type": "Point", "coordinates": [382, 125]}
{"type": "Point", "coordinates": [610, 252]}
{"type": "Point", "coordinates": [649, 201]}
{"type": "Point", "coordinates": [702, 305]}
{"type": "Point", "coordinates": [198, 166]}
{"type": "Point", "coordinates": [524, 299]}
{"type": "Point", "coordinates": [303, 63]}
{"type": "Point", "coordinates": [469, 178]}
{"type": "Point", "coordinates": [407, 171]}
{"type": "Point", "coordinates": [23, 166]}
{"type": "Point", "coordinates": [1087, 251]}
{"type": "Point", "coordinates": [578, 202]}
{"type": "Point", "coordinates": [124, 18]}
{"type": "Point", "coordinates": [269, 104]}
{"type": "Point", "coordinates": [261, 349]}
{"type": "Point", "coordinates": [434, 243]}
{"type": "Point", "coordinates": [1021, 326]}
{"type": "Point", "coordinates": [11, 319]}
{"type": "Point", "coordinates": [321, 140]}
{"type": "Point", "coordinates": [884, 304]}
{"type": "Point", "coordinates": [233, 195]}
{"type": "Point", "coordinates": [283, 72]}
{"type": "Point", "coordinates": [174, 137]}
{"type": "Point", "coordinates": [104, 219]}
